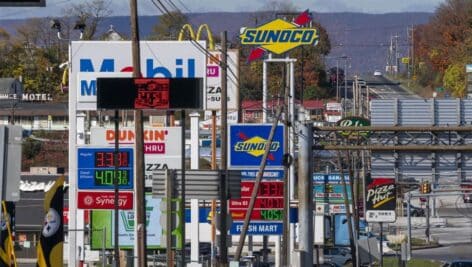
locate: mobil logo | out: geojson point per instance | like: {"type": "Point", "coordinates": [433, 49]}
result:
{"type": "Point", "coordinates": [178, 68]}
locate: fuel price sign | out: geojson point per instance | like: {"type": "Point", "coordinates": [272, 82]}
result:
{"type": "Point", "coordinates": [96, 168]}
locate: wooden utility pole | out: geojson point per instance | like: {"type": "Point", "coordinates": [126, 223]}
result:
{"type": "Point", "coordinates": [139, 144]}
{"type": "Point", "coordinates": [223, 260]}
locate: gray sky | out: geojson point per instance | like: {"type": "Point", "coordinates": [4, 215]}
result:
{"type": "Point", "coordinates": [55, 8]}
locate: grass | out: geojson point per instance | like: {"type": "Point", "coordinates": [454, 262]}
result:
{"type": "Point", "coordinates": [393, 262]}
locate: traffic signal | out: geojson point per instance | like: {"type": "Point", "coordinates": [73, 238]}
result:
{"type": "Point", "coordinates": [425, 188]}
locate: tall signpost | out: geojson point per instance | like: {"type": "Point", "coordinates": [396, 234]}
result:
{"type": "Point", "coordinates": [280, 37]}
{"type": "Point", "coordinates": [381, 198]}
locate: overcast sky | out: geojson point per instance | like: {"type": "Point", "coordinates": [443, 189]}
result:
{"type": "Point", "coordinates": [54, 8]}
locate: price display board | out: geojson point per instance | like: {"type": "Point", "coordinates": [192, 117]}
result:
{"type": "Point", "coordinates": [268, 208]}
{"type": "Point", "coordinates": [96, 168]}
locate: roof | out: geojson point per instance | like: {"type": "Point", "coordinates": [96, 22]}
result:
{"type": "Point", "coordinates": [33, 108]}
{"type": "Point", "coordinates": [10, 86]}
{"type": "Point", "coordinates": [257, 104]}
{"type": "Point", "coordinates": [313, 104]}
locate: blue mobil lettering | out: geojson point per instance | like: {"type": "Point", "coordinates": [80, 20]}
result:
{"type": "Point", "coordinates": [183, 69]}
{"type": "Point", "coordinates": [261, 37]}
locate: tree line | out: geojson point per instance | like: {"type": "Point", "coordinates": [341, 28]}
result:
{"type": "Point", "coordinates": [443, 47]}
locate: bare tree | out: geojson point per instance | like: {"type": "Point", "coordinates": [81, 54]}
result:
{"type": "Point", "coordinates": [90, 13]}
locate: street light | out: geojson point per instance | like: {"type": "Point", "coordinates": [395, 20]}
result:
{"type": "Point", "coordinates": [56, 25]}
{"type": "Point", "coordinates": [77, 122]}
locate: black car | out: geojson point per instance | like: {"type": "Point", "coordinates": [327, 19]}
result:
{"type": "Point", "coordinates": [414, 210]}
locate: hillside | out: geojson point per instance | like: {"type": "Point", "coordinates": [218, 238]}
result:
{"type": "Point", "coordinates": [362, 37]}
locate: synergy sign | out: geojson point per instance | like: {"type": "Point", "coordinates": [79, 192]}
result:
{"type": "Point", "coordinates": [279, 36]}
{"type": "Point", "coordinates": [247, 143]}
{"type": "Point", "coordinates": [159, 59]}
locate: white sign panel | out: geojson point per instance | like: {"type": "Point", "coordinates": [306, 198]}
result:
{"type": "Point", "coordinates": [213, 88]}
{"type": "Point", "coordinates": [87, 87]}
{"type": "Point", "coordinates": [162, 146]}
{"type": "Point", "coordinates": [380, 216]}
{"type": "Point", "coordinates": [157, 141]}
{"type": "Point", "coordinates": [169, 59]}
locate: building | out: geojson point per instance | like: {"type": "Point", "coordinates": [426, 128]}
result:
{"type": "Point", "coordinates": [251, 110]}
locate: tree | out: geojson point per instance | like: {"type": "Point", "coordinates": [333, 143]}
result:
{"type": "Point", "coordinates": [454, 80]}
{"type": "Point", "coordinates": [169, 26]}
{"type": "Point", "coordinates": [444, 42]}
{"type": "Point", "coordinates": [91, 14]}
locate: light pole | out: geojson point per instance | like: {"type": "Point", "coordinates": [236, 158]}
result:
{"type": "Point", "coordinates": [76, 124]}
{"type": "Point", "coordinates": [345, 58]}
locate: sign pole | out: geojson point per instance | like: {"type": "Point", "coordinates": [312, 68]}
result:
{"type": "Point", "coordinates": [115, 183]}
{"type": "Point", "coordinates": [140, 217]}
{"type": "Point", "coordinates": [182, 193]}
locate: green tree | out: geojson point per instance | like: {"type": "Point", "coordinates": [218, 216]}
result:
{"type": "Point", "coordinates": [31, 148]}
{"type": "Point", "coordinates": [454, 80]}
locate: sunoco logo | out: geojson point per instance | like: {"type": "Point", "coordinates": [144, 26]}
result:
{"type": "Point", "coordinates": [255, 146]}
{"type": "Point", "coordinates": [279, 36]}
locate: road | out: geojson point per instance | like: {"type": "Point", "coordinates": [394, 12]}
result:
{"type": "Point", "coordinates": [383, 88]}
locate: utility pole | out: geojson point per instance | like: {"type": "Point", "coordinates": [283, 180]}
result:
{"type": "Point", "coordinates": [305, 193]}
{"type": "Point", "coordinates": [139, 145]}
{"type": "Point", "coordinates": [224, 153]}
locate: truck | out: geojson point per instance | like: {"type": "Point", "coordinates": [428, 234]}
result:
{"type": "Point", "coordinates": [466, 188]}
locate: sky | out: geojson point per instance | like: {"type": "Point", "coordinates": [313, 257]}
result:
{"type": "Point", "coordinates": [55, 8]}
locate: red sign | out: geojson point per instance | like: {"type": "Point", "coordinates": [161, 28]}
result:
{"type": "Point", "coordinates": [104, 200]}
{"type": "Point", "coordinates": [261, 203]}
{"type": "Point", "coordinates": [266, 189]}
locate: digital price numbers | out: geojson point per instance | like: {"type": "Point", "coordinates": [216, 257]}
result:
{"type": "Point", "coordinates": [97, 169]}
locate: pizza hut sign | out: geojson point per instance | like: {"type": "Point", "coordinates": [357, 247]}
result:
{"type": "Point", "coordinates": [381, 200]}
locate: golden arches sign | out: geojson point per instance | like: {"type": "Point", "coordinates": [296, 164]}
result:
{"type": "Point", "coordinates": [188, 28]}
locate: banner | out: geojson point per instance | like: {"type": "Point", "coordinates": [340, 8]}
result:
{"type": "Point", "coordinates": [50, 247]}
{"type": "Point", "coordinates": [7, 254]}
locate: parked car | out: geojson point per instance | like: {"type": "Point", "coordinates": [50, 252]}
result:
{"type": "Point", "coordinates": [414, 210]}
{"type": "Point", "coordinates": [458, 263]}
{"type": "Point", "coordinates": [467, 198]}
{"type": "Point", "coordinates": [337, 256]}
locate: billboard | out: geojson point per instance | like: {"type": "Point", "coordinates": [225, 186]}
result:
{"type": "Point", "coordinates": [159, 59]}
{"type": "Point", "coordinates": [25, 3]}
{"type": "Point", "coordinates": [247, 143]}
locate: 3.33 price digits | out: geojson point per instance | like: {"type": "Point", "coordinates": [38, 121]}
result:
{"type": "Point", "coordinates": [106, 177]}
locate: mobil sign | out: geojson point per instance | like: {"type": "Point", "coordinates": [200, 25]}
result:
{"type": "Point", "coordinates": [166, 59]}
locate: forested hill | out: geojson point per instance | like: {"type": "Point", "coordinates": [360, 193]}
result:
{"type": "Point", "coordinates": [365, 38]}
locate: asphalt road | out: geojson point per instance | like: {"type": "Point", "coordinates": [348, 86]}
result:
{"type": "Point", "coordinates": [445, 253]}
{"type": "Point", "coordinates": [383, 88]}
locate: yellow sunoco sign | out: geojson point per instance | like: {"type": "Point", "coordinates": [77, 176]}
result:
{"type": "Point", "coordinates": [279, 36]}
{"type": "Point", "coordinates": [255, 146]}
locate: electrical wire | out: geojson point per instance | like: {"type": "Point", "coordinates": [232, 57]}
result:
{"type": "Point", "coordinates": [164, 10]}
